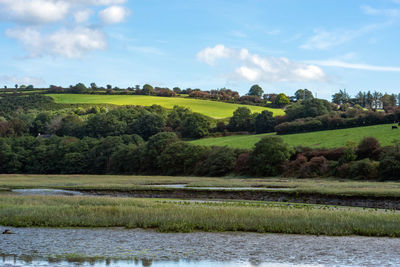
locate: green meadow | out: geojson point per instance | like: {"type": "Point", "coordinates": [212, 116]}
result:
{"type": "Point", "coordinates": [214, 109]}
{"type": "Point", "coordinates": [321, 139]}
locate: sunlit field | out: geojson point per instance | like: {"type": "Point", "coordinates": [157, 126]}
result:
{"type": "Point", "coordinates": [209, 108]}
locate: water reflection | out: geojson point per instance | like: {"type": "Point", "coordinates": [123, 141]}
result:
{"type": "Point", "coordinates": [13, 261]}
{"type": "Point", "coordinates": [100, 246]}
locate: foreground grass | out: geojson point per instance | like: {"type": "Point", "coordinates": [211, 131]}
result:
{"type": "Point", "coordinates": [325, 139]}
{"type": "Point", "coordinates": [167, 216]}
{"type": "Point", "coordinates": [209, 108]}
{"type": "Point", "coordinates": [119, 182]}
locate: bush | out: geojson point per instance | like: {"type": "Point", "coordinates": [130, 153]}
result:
{"type": "Point", "coordinates": [389, 164]}
{"type": "Point", "coordinates": [268, 156]}
{"type": "Point", "coordinates": [369, 147]}
{"type": "Point", "coordinates": [181, 158]}
{"type": "Point", "coordinates": [264, 122]}
{"type": "Point", "coordinates": [242, 163]}
{"type": "Point", "coordinates": [361, 169]}
{"type": "Point", "coordinates": [316, 167]}
{"type": "Point", "coordinates": [242, 120]}
{"type": "Point", "coordinates": [219, 162]}
{"type": "Point", "coordinates": [195, 125]}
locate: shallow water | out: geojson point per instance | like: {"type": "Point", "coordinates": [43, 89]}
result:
{"type": "Point", "coordinates": [10, 262]}
{"type": "Point", "coordinates": [59, 192]}
{"type": "Point", "coordinates": [196, 249]}
{"type": "Point", "coordinates": [46, 192]}
{"type": "Point", "coordinates": [218, 187]}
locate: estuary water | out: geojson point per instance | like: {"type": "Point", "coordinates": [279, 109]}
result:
{"type": "Point", "coordinates": [136, 247]}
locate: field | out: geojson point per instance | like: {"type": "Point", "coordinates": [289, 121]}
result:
{"type": "Point", "coordinates": [325, 139]}
{"type": "Point", "coordinates": [209, 108]}
{"type": "Point", "coordinates": [120, 182]}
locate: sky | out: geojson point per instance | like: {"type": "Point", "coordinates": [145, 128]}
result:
{"type": "Point", "coordinates": [282, 45]}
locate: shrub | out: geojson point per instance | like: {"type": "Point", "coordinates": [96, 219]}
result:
{"type": "Point", "coordinates": [195, 126]}
{"type": "Point", "coordinates": [369, 147]}
{"type": "Point", "coordinates": [220, 161]}
{"type": "Point", "coordinates": [363, 169]}
{"type": "Point", "coordinates": [264, 122]}
{"type": "Point", "coordinates": [242, 163]}
{"type": "Point", "coordinates": [316, 167]}
{"type": "Point", "coordinates": [180, 158]}
{"type": "Point", "coordinates": [268, 156]}
{"type": "Point", "coordinates": [242, 120]}
{"type": "Point", "coordinates": [389, 164]}
{"type": "Point", "coordinates": [293, 167]}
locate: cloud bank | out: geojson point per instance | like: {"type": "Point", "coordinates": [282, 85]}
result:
{"type": "Point", "coordinates": [255, 68]}
{"type": "Point", "coordinates": [44, 27]}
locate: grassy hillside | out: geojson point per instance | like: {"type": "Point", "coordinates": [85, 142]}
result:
{"type": "Point", "coordinates": [327, 139]}
{"type": "Point", "coordinates": [209, 108]}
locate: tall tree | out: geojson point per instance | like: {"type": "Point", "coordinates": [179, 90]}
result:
{"type": "Point", "coordinates": [303, 94]}
{"type": "Point", "coordinates": [342, 97]}
{"type": "Point", "coordinates": [256, 90]}
{"type": "Point", "coordinates": [388, 100]}
{"type": "Point", "coordinates": [281, 100]}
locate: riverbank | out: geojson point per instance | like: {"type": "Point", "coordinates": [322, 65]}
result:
{"type": "Point", "coordinates": [181, 216]}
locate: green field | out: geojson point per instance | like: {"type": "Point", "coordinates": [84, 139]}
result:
{"type": "Point", "coordinates": [325, 139]}
{"type": "Point", "coordinates": [209, 108]}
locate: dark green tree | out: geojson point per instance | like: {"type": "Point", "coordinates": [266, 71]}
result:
{"type": "Point", "coordinates": [303, 94]}
{"type": "Point", "coordinates": [242, 120]}
{"type": "Point", "coordinates": [281, 100]}
{"type": "Point", "coordinates": [219, 162]}
{"type": "Point", "coordinates": [265, 122]}
{"type": "Point", "coordinates": [256, 90]}
{"type": "Point", "coordinates": [147, 124]}
{"type": "Point", "coordinates": [147, 89]}
{"type": "Point", "coordinates": [195, 125]}
{"type": "Point", "coordinates": [268, 156]}
{"type": "Point", "coordinates": [308, 108]}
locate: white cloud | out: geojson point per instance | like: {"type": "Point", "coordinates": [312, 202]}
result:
{"type": "Point", "coordinates": [253, 67]}
{"type": "Point", "coordinates": [35, 11]}
{"type": "Point", "coordinates": [69, 43]}
{"type": "Point", "coordinates": [82, 16]}
{"type": "Point", "coordinates": [12, 80]}
{"type": "Point", "coordinates": [250, 74]}
{"type": "Point", "coordinates": [211, 54]}
{"type": "Point", "coordinates": [390, 12]}
{"type": "Point", "coordinates": [102, 2]}
{"type": "Point", "coordinates": [342, 64]}
{"type": "Point", "coordinates": [42, 26]}
{"type": "Point", "coordinates": [323, 39]}
{"type": "Point", "coordinates": [113, 14]}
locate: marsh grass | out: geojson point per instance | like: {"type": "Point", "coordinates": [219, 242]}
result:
{"type": "Point", "coordinates": [169, 216]}
{"type": "Point", "coordinates": [125, 183]}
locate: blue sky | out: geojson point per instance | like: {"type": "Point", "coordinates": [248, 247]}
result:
{"type": "Point", "coordinates": [283, 45]}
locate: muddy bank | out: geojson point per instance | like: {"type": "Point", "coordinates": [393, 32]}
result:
{"type": "Point", "coordinates": [258, 195]}
{"type": "Point", "coordinates": [117, 243]}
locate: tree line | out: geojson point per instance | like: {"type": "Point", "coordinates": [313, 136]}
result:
{"type": "Point", "coordinates": [165, 154]}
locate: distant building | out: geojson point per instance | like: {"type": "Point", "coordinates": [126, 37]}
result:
{"type": "Point", "coordinates": [44, 136]}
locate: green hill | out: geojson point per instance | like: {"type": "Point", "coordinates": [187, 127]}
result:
{"type": "Point", "coordinates": [209, 108]}
{"type": "Point", "coordinates": [326, 139]}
